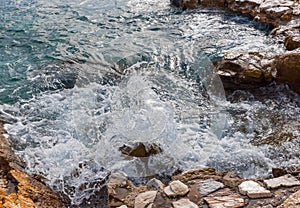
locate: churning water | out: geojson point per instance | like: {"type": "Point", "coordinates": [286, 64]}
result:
{"type": "Point", "coordinates": [80, 79]}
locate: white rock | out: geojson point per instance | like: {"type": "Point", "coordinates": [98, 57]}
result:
{"type": "Point", "coordinates": [184, 203]}
{"type": "Point", "coordinates": [179, 188]}
{"type": "Point", "coordinates": [123, 206]}
{"type": "Point", "coordinates": [286, 180]}
{"type": "Point", "coordinates": [145, 199]}
{"type": "Point", "coordinates": [168, 191]}
{"type": "Point", "coordinates": [254, 190]}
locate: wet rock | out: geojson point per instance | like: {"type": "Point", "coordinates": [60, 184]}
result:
{"type": "Point", "coordinates": [185, 4]}
{"type": "Point", "coordinates": [246, 70]}
{"type": "Point", "coordinates": [176, 188]}
{"type": "Point", "coordinates": [145, 199]}
{"type": "Point", "coordinates": [285, 181]}
{"type": "Point", "coordinates": [232, 201]}
{"type": "Point", "coordinates": [208, 186]}
{"type": "Point", "coordinates": [292, 39]}
{"type": "Point", "coordinates": [288, 70]}
{"type": "Point", "coordinates": [184, 203]}
{"type": "Point", "coordinates": [277, 172]}
{"type": "Point", "coordinates": [157, 184]}
{"type": "Point", "coordinates": [253, 190]}
{"type": "Point", "coordinates": [213, 3]}
{"type": "Point", "coordinates": [140, 150]}
{"type": "Point", "coordinates": [292, 201]}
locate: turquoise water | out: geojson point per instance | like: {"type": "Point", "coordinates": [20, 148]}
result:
{"type": "Point", "coordinates": [79, 79]}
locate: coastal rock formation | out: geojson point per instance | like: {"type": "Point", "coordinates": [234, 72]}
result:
{"type": "Point", "coordinates": [242, 193]}
{"type": "Point", "coordinates": [18, 189]}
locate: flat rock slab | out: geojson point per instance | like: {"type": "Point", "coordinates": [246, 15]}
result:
{"type": "Point", "coordinates": [145, 199]}
{"type": "Point", "coordinates": [232, 201]}
{"type": "Point", "coordinates": [208, 186]}
{"type": "Point", "coordinates": [184, 203]}
{"type": "Point", "coordinates": [286, 181]}
{"type": "Point", "coordinates": [254, 190]}
{"type": "Point", "coordinates": [292, 201]}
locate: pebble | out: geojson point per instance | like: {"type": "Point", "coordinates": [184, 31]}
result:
{"type": "Point", "coordinates": [292, 201]}
{"type": "Point", "coordinates": [286, 180]}
{"type": "Point", "coordinates": [208, 186]}
{"type": "Point", "coordinates": [253, 190]}
{"type": "Point", "coordinates": [184, 203]}
{"type": "Point", "coordinates": [145, 199]}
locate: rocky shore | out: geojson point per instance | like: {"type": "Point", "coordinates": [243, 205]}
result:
{"type": "Point", "coordinates": [254, 69]}
{"type": "Point", "coordinates": [207, 188]}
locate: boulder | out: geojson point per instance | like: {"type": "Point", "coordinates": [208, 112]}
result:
{"type": "Point", "coordinates": [288, 70]}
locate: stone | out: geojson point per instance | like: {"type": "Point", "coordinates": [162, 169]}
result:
{"type": "Point", "coordinates": [292, 39]}
{"type": "Point", "coordinates": [292, 201]}
{"type": "Point", "coordinates": [231, 180]}
{"type": "Point", "coordinates": [123, 206]}
{"type": "Point", "coordinates": [231, 201]}
{"type": "Point", "coordinates": [156, 184]}
{"type": "Point", "coordinates": [190, 4]}
{"type": "Point", "coordinates": [214, 3]}
{"type": "Point", "coordinates": [140, 150]}
{"type": "Point", "coordinates": [168, 191]}
{"type": "Point", "coordinates": [253, 190]}
{"type": "Point", "coordinates": [277, 172]}
{"type": "Point", "coordinates": [179, 188]}
{"type": "Point", "coordinates": [145, 199]}
{"type": "Point", "coordinates": [208, 186]}
{"type": "Point", "coordinates": [184, 203]}
{"type": "Point", "coordinates": [288, 70]}
{"type": "Point", "coordinates": [285, 181]}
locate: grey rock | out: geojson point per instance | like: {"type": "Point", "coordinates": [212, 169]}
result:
{"type": "Point", "coordinates": [208, 186]}
{"type": "Point", "coordinates": [156, 184]}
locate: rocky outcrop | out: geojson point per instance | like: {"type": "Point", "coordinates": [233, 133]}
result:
{"type": "Point", "coordinates": [188, 187]}
{"type": "Point", "coordinates": [17, 188]}
{"type": "Point", "coordinates": [255, 69]}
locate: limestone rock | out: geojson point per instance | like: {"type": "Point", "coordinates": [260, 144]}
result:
{"type": "Point", "coordinates": [179, 188]}
{"type": "Point", "coordinates": [184, 203]}
{"type": "Point", "coordinates": [208, 186]}
{"type": "Point", "coordinates": [231, 201]}
{"type": "Point", "coordinates": [286, 181]}
{"type": "Point", "coordinates": [288, 70]}
{"type": "Point", "coordinates": [253, 190]}
{"type": "Point", "coordinates": [145, 199]}
{"type": "Point", "coordinates": [176, 188]}
{"type": "Point", "coordinates": [292, 201]}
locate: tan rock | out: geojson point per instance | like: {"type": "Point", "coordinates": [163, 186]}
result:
{"type": "Point", "coordinates": [292, 202]}
{"type": "Point", "coordinates": [285, 181]}
{"type": "Point", "coordinates": [145, 199]}
{"type": "Point", "coordinates": [231, 201]}
{"type": "Point", "coordinates": [288, 70]}
{"type": "Point", "coordinates": [184, 203]}
{"type": "Point", "coordinates": [253, 190]}
{"type": "Point", "coordinates": [179, 188]}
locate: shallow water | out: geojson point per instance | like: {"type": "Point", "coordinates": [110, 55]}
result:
{"type": "Point", "coordinates": [79, 79]}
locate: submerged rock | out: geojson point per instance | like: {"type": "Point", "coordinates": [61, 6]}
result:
{"type": "Point", "coordinates": [140, 150]}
